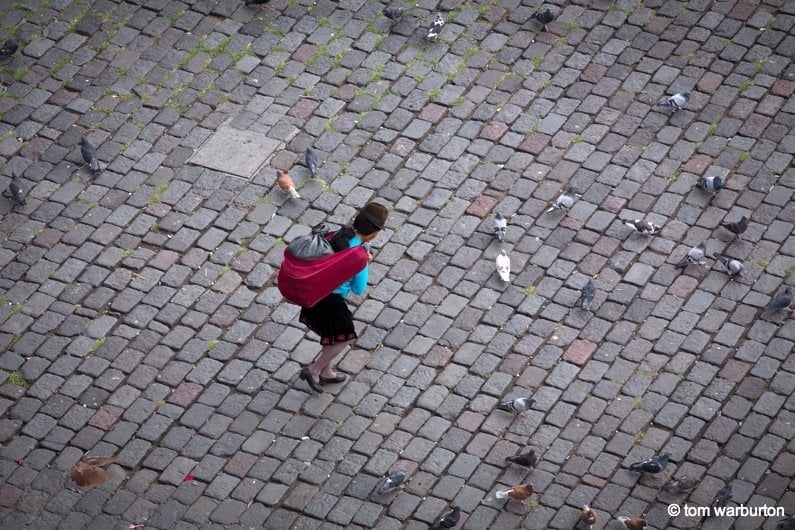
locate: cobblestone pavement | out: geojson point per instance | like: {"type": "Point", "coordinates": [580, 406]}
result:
{"type": "Point", "coordinates": [140, 316]}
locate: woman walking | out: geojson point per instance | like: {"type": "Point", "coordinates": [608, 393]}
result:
{"type": "Point", "coordinates": [331, 318]}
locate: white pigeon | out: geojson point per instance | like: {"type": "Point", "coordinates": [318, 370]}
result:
{"type": "Point", "coordinates": [504, 266]}
{"type": "Point", "coordinates": [436, 27]}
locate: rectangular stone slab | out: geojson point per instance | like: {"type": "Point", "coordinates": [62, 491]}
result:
{"type": "Point", "coordinates": [240, 153]}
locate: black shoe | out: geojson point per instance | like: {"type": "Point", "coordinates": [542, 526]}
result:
{"type": "Point", "coordinates": [306, 375]}
{"type": "Point", "coordinates": [339, 378]}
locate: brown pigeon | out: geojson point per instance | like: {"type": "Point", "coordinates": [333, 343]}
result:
{"type": "Point", "coordinates": [89, 472]}
{"type": "Point", "coordinates": [285, 182]}
{"type": "Point", "coordinates": [521, 492]}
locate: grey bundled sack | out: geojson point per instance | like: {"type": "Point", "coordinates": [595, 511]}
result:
{"type": "Point", "coordinates": [311, 246]}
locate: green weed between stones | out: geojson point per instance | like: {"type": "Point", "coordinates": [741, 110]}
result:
{"type": "Point", "coordinates": [17, 379]}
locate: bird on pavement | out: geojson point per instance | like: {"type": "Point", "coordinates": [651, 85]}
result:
{"type": "Point", "coordinates": [565, 200]}
{"type": "Point", "coordinates": [517, 406]}
{"type": "Point", "coordinates": [677, 101]}
{"type": "Point", "coordinates": [694, 255]}
{"type": "Point", "coordinates": [286, 184]}
{"type": "Point", "coordinates": [588, 517]}
{"type": "Point", "coordinates": [680, 484]}
{"type": "Point", "coordinates": [436, 27]}
{"type": "Point", "coordinates": [642, 227]}
{"type": "Point", "coordinates": [311, 161]}
{"type": "Point", "coordinates": [586, 295]}
{"type": "Point", "coordinates": [734, 268]}
{"type": "Point", "coordinates": [721, 499]}
{"type": "Point", "coordinates": [393, 13]}
{"type": "Point", "coordinates": [500, 226]}
{"type": "Point", "coordinates": [89, 153]}
{"type": "Point", "coordinates": [15, 189]}
{"type": "Point", "coordinates": [786, 524]}
{"type": "Point", "coordinates": [633, 523]}
{"type": "Point", "coordinates": [448, 520]}
{"type": "Point", "coordinates": [392, 482]}
{"type": "Point", "coordinates": [89, 472]}
{"type": "Point", "coordinates": [737, 227]}
{"type": "Point", "coordinates": [9, 48]}
{"type": "Point", "coordinates": [528, 459]}
{"type": "Point", "coordinates": [545, 17]}
{"type": "Point", "coordinates": [652, 465]}
{"type": "Point", "coordinates": [520, 492]}
{"type": "Point", "coordinates": [710, 184]}
{"type": "Point", "coordinates": [781, 301]}
{"type": "Point", "coordinates": [504, 265]}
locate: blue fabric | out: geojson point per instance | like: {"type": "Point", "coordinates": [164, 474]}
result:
{"type": "Point", "coordinates": [358, 284]}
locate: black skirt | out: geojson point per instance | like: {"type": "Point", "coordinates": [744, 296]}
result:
{"type": "Point", "coordinates": [331, 319]}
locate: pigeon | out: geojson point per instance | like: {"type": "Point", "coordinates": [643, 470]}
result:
{"type": "Point", "coordinates": [565, 200]}
{"type": "Point", "coordinates": [286, 183]}
{"type": "Point", "coordinates": [586, 295]}
{"type": "Point", "coordinates": [545, 17]}
{"type": "Point", "coordinates": [694, 255]}
{"type": "Point", "coordinates": [16, 190]}
{"type": "Point", "coordinates": [711, 184]}
{"type": "Point", "coordinates": [311, 161]}
{"type": "Point", "coordinates": [588, 517]}
{"type": "Point", "coordinates": [652, 465]}
{"type": "Point", "coordinates": [642, 227]}
{"type": "Point", "coordinates": [738, 227]}
{"type": "Point", "coordinates": [680, 484]}
{"type": "Point", "coordinates": [528, 459]}
{"type": "Point", "coordinates": [781, 301]}
{"type": "Point", "coordinates": [392, 482]}
{"type": "Point", "coordinates": [436, 27]}
{"type": "Point", "coordinates": [9, 48]}
{"type": "Point", "coordinates": [633, 523]}
{"type": "Point", "coordinates": [721, 499]}
{"type": "Point", "coordinates": [500, 226]}
{"type": "Point", "coordinates": [89, 155]}
{"type": "Point", "coordinates": [504, 266]}
{"type": "Point", "coordinates": [89, 472]}
{"type": "Point", "coordinates": [520, 492]}
{"type": "Point", "coordinates": [733, 267]}
{"type": "Point", "coordinates": [786, 524]}
{"type": "Point", "coordinates": [517, 406]}
{"type": "Point", "coordinates": [448, 520]}
{"type": "Point", "coordinates": [393, 13]}
{"type": "Point", "coordinates": [677, 101]}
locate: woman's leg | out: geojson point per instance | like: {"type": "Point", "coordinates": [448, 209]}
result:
{"type": "Point", "coordinates": [322, 366]}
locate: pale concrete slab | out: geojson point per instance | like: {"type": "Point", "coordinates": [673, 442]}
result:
{"type": "Point", "coordinates": [234, 151]}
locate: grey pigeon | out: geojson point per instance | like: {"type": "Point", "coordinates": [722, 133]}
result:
{"type": "Point", "coordinates": [311, 161]}
{"type": "Point", "coordinates": [722, 498]}
{"type": "Point", "coordinates": [89, 155]}
{"type": "Point", "coordinates": [16, 190]}
{"type": "Point", "coordinates": [436, 27]}
{"type": "Point", "coordinates": [517, 406]}
{"type": "Point", "coordinates": [643, 227]}
{"type": "Point", "coordinates": [9, 48]}
{"type": "Point", "coordinates": [392, 482]}
{"type": "Point", "coordinates": [393, 13]}
{"type": "Point", "coordinates": [545, 17]}
{"type": "Point", "coordinates": [528, 459]}
{"type": "Point", "coordinates": [694, 255]}
{"type": "Point", "coordinates": [733, 267]}
{"type": "Point", "coordinates": [781, 301]}
{"type": "Point", "coordinates": [680, 484]}
{"type": "Point", "coordinates": [652, 465]}
{"type": "Point", "coordinates": [677, 101]}
{"type": "Point", "coordinates": [448, 520]}
{"type": "Point", "coordinates": [586, 295]}
{"type": "Point", "coordinates": [786, 524]}
{"type": "Point", "coordinates": [565, 200]}
{"type": "Point", "coordinates": [500, 226]}
{"type": "Point", "coordinates": [737, 227]}
{"type": "Point", "coordinates": [710, 184]}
